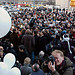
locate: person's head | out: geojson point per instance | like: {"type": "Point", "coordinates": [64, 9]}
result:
{"type": "Point", "coordinates": [27, 60]}
{"type": "Point", "coordinates": [44, 32]}
{"type": "Point", "coordinates": [21, 48]}
{"type": "Point", "coordinates": [14, 30]}
{"type": "Point", "coordinates": [1, 51]}
{"type": "Point", "coordinates": [35, 32]}
{"type": "Point", "coordinates": [59, 56]}
{"type": "Point", "coordinates": [23, 31]}
{"type": "Point", "coordinates": [58, 36]}
{"type": "Point", "coordinates": [35, 67]}
{"type": "Point", "coordinates": [28, 31]}
{"type": "Point", "coordinates": [41, 54]}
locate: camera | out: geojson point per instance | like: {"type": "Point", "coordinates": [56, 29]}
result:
{"type": "Point", "coordinates": [50, 58]}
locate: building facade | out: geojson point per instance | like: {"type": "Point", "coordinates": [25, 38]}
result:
{"type": "Point", "coordinates": [51, 2]}
{"type": "Point", "coordinates": [63, 3]}
{"type": "Point", "coordinates": [22, 1]}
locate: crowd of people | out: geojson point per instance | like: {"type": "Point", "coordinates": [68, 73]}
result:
{"type": "Point", "coordinates": [37, 34]}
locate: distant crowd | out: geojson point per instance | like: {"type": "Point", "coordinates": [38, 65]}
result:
{"type": "Point", "coordinates": [35, 35]}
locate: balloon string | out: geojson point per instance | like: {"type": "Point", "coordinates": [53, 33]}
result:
{"type": "Point", "coordinates": [69, 47]}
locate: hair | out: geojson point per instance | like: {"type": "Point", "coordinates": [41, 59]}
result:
{"type": "Point", "coordinates": [21, 47]}
{"type": "Point", "coordinates": [58, 51]}
{"type": "Point", "coordinates": [35, 32]}
{"type": "Point", "coordinates": [44, 32]}
{"type": "Point", "coordinates": [1, 49]}
{"type": "Point", "coordinates": [27, 60]}
{"type": "Point", "coordinates": [14, 30]}
{"type": "Point", "coordinates": [41, 53]}
{"type": "Point", "coordinates": [35, 67]}
{"type": "Point", "coordinates": [28, 31]}
{"type": "Point", "coordinates": [23, 31]}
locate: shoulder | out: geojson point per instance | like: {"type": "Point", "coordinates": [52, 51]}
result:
{"type": "Point", "coordinates": [41, 71]}
{"type": "Point", "coordinates": [68, 65]}
{"type": "Point", "coordinates": [68, 61]}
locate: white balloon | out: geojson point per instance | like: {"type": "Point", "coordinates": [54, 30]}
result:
{"type": "Point", "coordinates": [5, 22]}
{"type": "Point", "coordinates": [9, 59]}
{"type": "Point", "coordinates": [3, 68]}
{"type": "Point", "coordinates": [14, 71]}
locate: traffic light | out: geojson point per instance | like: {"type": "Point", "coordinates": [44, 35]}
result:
{"type": "Point", "coordinates": [72, 3]}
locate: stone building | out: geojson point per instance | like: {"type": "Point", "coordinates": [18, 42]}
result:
{"type": "Point", "coordinates": [63, 3]}
{"type": "Point", "coordinates": [22, 1]}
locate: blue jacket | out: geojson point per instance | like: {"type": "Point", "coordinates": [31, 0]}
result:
{"type": "Point", "coordinates": [39, 72]}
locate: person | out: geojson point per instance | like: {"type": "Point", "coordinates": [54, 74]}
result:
{"type": "Point", "coordinates": [36, 70]}
{"type": "Point", "coordinates": [36, 48]}
{"type": "Point", "coordinates": [62, 65]}
{"type": "Point", "coordinates": [26, 69]}
{"type": "Point", "coordinates": [28, 41]}
{"type": "Point", "coordinates": [41, 54]}
{"type": "Point", "coordinates": [21, 35]}
{"type": "Point", "coordinates": [40, 58]}
{"type": "Point", "coordinates": [14, 39]}
{"type": "Point", "coordinates": [22, 54]}
{"type": "Point", "coordinates": [2, 54]}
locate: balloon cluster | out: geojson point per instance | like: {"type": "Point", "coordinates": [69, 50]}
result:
{"type": "Point", "coordinates": [6, 67]}
{"type": "Point", "coordinates": [9, 59]}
